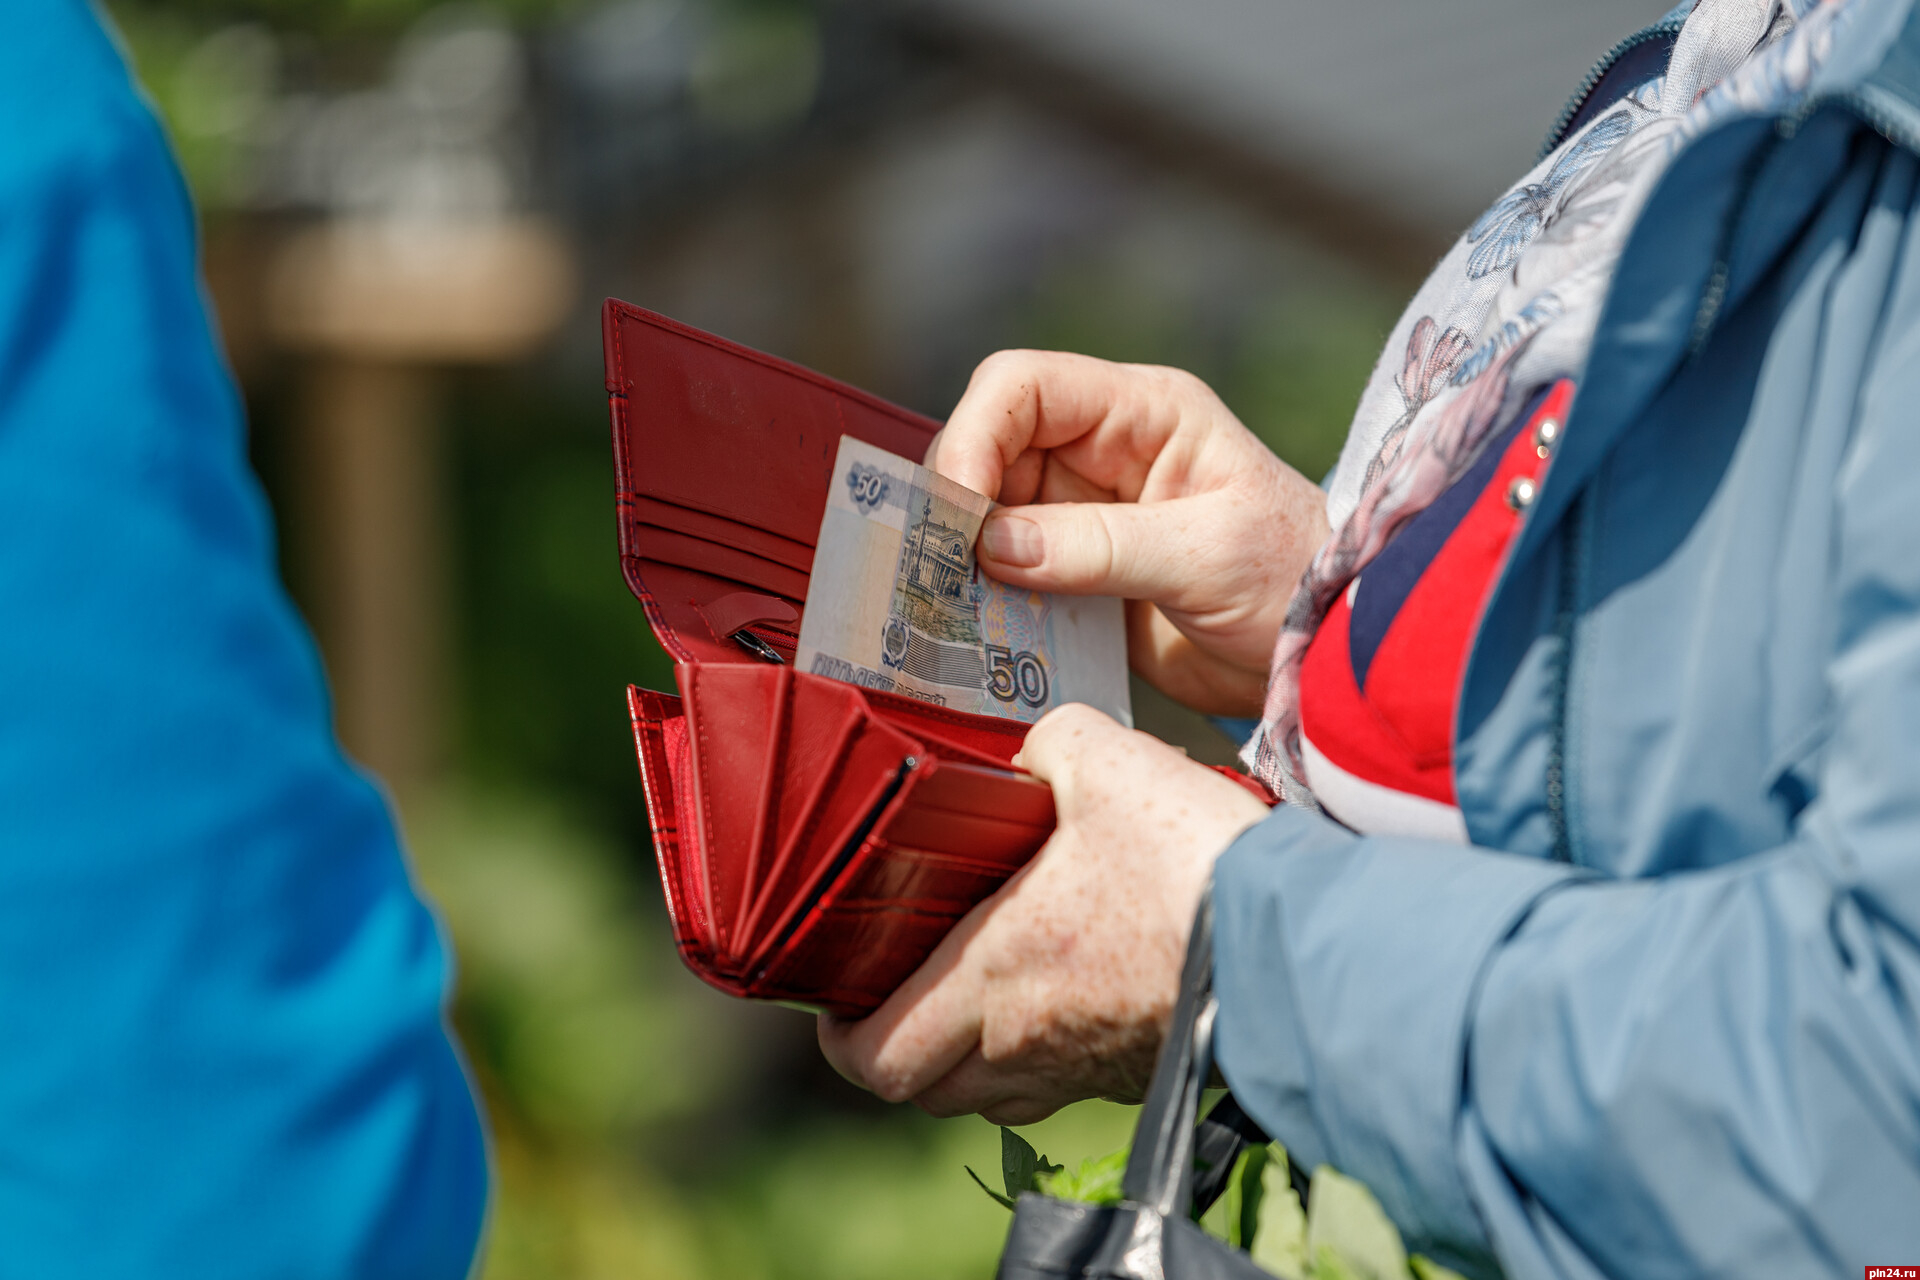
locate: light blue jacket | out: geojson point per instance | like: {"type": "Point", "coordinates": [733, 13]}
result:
{"type": "Point", "coordinates": [221, 1045]}
{"type": "Point", "coordinates": [1663, 1019]}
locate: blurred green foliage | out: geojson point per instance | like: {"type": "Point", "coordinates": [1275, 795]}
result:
{"type": "Point", "coordinates": [565, 1000]}
{"type": "Point", "coordinates": [549, 635]}
{"type": "Point", "coordinates": [760, 69]}
{"type": "Point", "coordinates": [1290, 362]}
{"type": "Point", "coordinates": [198, 96]}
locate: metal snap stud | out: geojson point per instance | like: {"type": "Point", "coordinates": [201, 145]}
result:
{"type": "Point", "coordinates": [1520, 493]}
{"type": "Point", "coordinates": [1546, 435]}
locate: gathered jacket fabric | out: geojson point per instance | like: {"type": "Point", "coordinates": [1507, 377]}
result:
{"type": "Point", "coordinates": [1662, 1016]}
{"type": "Point", "coordinates": [221, 999]}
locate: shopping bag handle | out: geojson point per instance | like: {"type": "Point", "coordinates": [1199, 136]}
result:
{"type": "Point", "coordinates": [1160, 1166]}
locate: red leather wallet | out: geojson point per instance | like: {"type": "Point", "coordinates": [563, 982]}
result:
{"type": "Point", "coordinates": [815, 840]}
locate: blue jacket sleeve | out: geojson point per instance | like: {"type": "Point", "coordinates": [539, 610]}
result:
{"type": "Point", "coordinates": [1348, 970]}
{"type": "Point", "coordinates": [1707, 1073]}
{"type": "Point", "coordinates": [225, 1046]}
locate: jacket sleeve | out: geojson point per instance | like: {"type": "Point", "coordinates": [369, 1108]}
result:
{"type": "Point", "coordinates": [1715, 1072]}
{"type": "Point", "coordinates": [222, 998]}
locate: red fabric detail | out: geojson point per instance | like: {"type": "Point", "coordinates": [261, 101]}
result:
{"type": "Point", "coordinates": [1346, 729]}
{"type": "Point", "coordinates": [1398, 732]}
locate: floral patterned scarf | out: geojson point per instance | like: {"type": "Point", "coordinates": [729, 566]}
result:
{"type": "Point", "coordinates": [1513, 306]}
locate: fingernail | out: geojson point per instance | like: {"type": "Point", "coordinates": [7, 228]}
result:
{"type": "Point", "coordinates": [1013, 541]}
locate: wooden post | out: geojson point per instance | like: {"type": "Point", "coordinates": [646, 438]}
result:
{"type": "Point", "coordinates": [381, 310]}
{"type": "Point", "coordinates": [371, 462]}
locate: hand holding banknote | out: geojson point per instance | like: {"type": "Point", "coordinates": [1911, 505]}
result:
{"type": "Point", "coordinates": [895, 602]}
{"type": "Point", "coordinates": [1136, 481]}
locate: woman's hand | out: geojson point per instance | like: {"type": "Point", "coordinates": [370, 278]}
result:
{"type": "Point", "coordinates": [1060, 986]}
{"type": "Point", "coordinates": [1135, 481]}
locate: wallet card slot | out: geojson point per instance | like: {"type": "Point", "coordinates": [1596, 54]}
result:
{"type": "Point", "coordinates": [766, 804]}
{"type": "Point", "coordinates": [728, 709]}
{"type": "Point", "coordinates": [819, 743]}
{"type": "Point", "coordinates": [846, 848]}
{"type": "Point", "coordinates": [985, 837]}
{"type": "Point", "coordinates": [875, 922]}
{"type": "Point", "coordinates": [686, 552]}
{"type": "Point", "coordinates": [647, 513]}
{"type": "Point", "coordinates": [969, 789]}
{"type": "Point", "coordinates": [723, 457]}
{"type": "Point", "coordinates": [928, 881]}
{"type": "Point", "coordinates": [849, 961]}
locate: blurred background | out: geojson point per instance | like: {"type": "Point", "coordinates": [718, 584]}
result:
{"type": "Point", "coordinates": [411, 213]}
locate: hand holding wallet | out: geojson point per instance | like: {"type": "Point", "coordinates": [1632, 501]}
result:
{"type": "Point", "coordinates": [815, 840]}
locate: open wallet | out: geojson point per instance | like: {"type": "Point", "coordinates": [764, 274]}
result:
{"type": "Point", "coordinates": [816, 840]}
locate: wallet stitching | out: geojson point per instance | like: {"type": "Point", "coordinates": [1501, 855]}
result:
{"type": "Point", "coordinates": [834, 874]}
{"type": "Point", "coordinates": [668, 637]}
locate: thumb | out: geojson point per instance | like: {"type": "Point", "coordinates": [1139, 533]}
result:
{"type": "Point", "coordinates": [1125, 549]}
{"type": "Point", "coordinates": [1058, 736]}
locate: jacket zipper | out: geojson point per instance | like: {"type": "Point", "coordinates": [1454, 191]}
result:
{"type": "Point", "coordinates": [1572, 548]}
{"type": "Point", "coordinates": [1896, 132]}
{"type": "Point", "coordinates": [1575, 519]}
{"type": "Point", "coordinates": [1665, 27]}
{"type": "Point", "coordinates": [1713, 295]}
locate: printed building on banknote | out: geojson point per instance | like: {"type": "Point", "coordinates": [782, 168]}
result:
{"type": "Point", "coordinates": [939, 563]}
{"type": "Point", "coordinates": [935, 586]}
